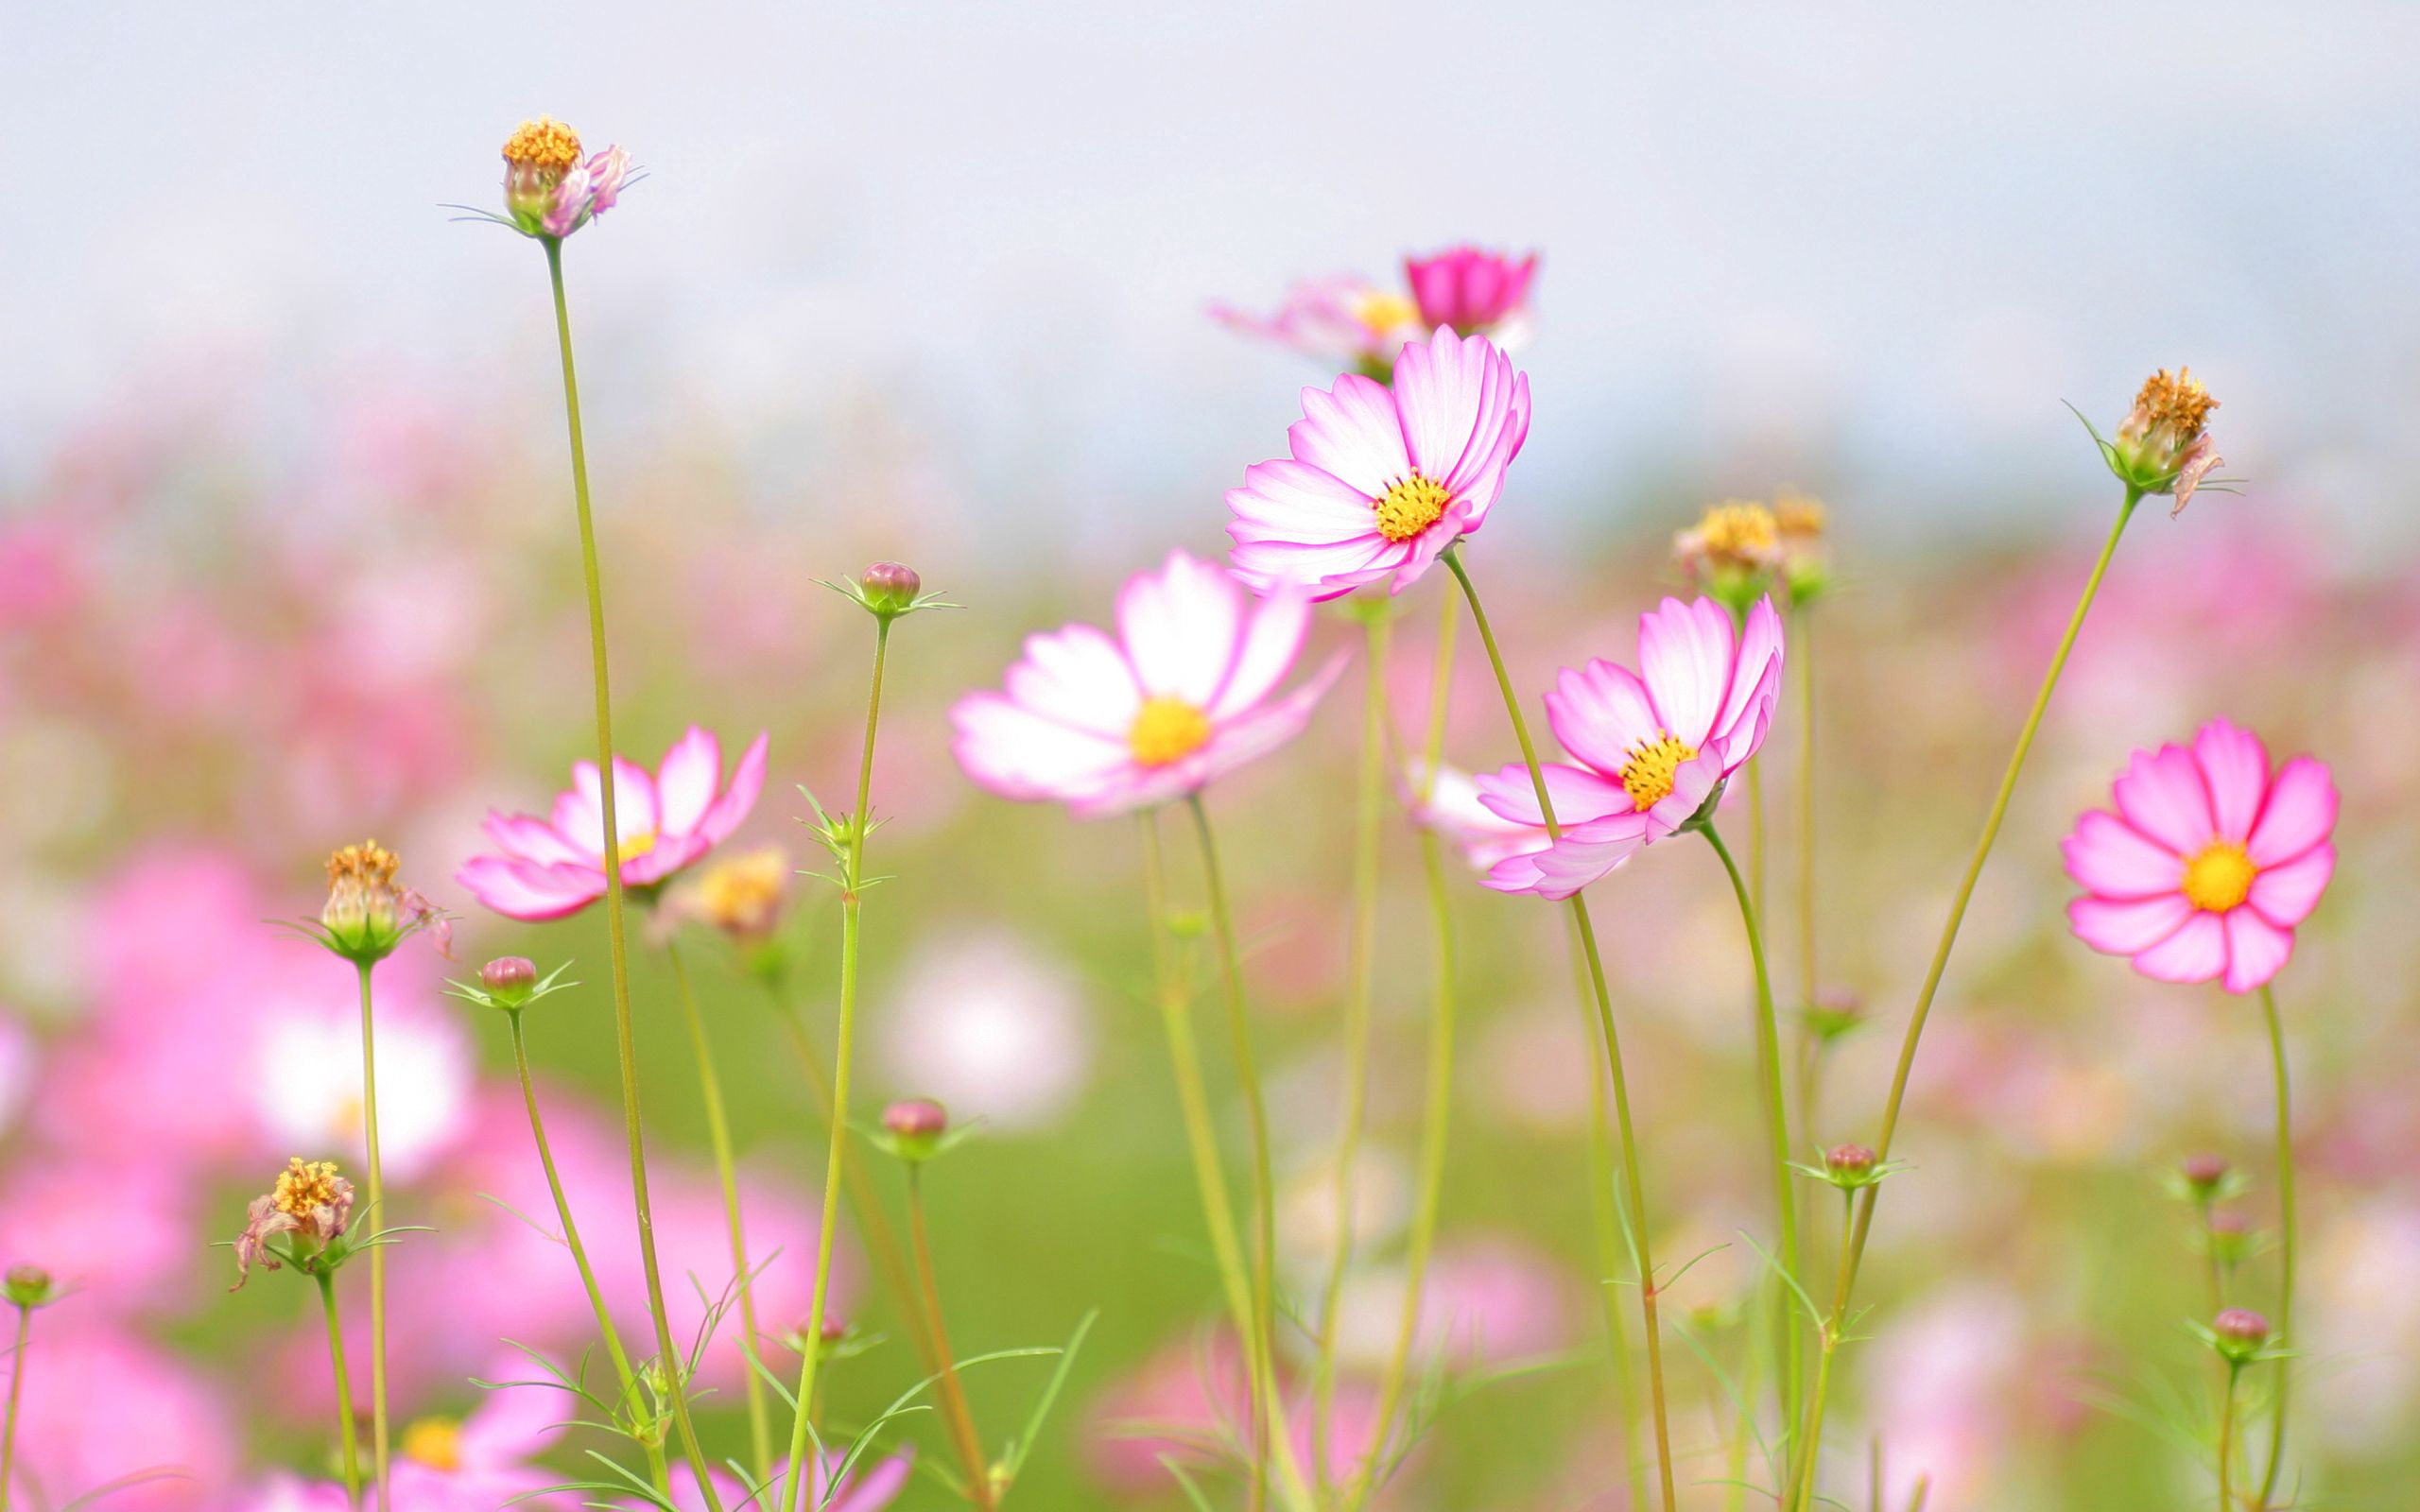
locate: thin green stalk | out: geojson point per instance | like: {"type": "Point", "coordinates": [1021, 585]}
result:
{"type": "Point", "coordinates": [1370, 809]}
{"type": "Point", "coordinates": [1802, 661]}
{"type": "Point", "coordinates": [1606, 1224]}
{"type": "Point", "coordinates": [377, 1252]}
{"type": "Point", "coordinates": [1261, 1345]}
{"type": "Point", "coordinates": [2284, 1237]}
{"type": "Point", "coordinates": [760, 1431]}
{"type": "Point", "coordinates": [2226, 1438]}
{"type": "Point", "coordinates": [1193, 1101]}
{"type": "Point", "coordinates": [623, 1375]}
{"type": "Point", "coordinates": [616, 926]}
{"type": "Point", "coordinates": [1634, 1187]}
{"type": "Point", "coordinates": [17, 1388]}
{"type": "Point", "coordinates": [346, 1432]}
{"type": "Point", "coordinates": [1846, 1289]}
{"type": "Point", "coordinates": [852, 898]}
{"type": "Point", "coordinates": [955, 1411]}
{"type": "Point", "coordinates": [1793, 1354]}
{"type": "Point", "coordinates": [1802, 1485]}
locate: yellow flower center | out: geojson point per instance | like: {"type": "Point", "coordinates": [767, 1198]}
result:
{"type": "Point", "coordinates": [305, 1185]}
{"type": "Point", "coordinates": [1410, 506]}
{"type": "Point", "coordinates": [1646, 777]}
{"type": "Point", "coordinates": [544, 143]}
{"type": "Point", "coordinates": [1166, 730]}
{"type": "Point", "coordinates": [636, 847]}
{"type": "Point", "coordinates": [2219, 877]}
{"type": "Point", "coordinates": [436, 1442]}
{"type": "Point", "coordinates": [2180, 403]}
{"type": "Point", "coordinates": [741, 895]}
{"type": "Point", "coordinates": [1383, 310]}
{"type": "Point", "coordinates": [1799, 517]}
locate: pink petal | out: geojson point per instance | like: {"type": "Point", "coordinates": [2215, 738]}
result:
{"type": "Point", "coordinates": [634, 812]}
{"type": "Point", "coordinates": [1441, 388]}
{"type": "Point", "coordinates": [746, 781]}
{"type": "Point", "coordinates": [1684, 659]}
{"type": "Point", "coordinates": [2235, 766]}
{"type": "Point", "coordinates": [2300, 813]}
{"type": "Point", "coordinates": [2124, 926]}
{"type": "Point", "coordinates": [1019, 753]}
{"type": "Point", "coordinates": [2106, 855]}
{"type": "Point", "coordinates": [2287, 894]}
{"type": "Point", "coordinates": [669, 855]}
{"type": "Point", "coordinates": [1602, 713]}
{"type": "Point", "coordinates": [686, 783]}
{"type": "Point", "coordinates": [2196, 952]}
{"type": "Point", "coordinates": [1272, 638]}
{"type": "Point", "coordinates": [523, 838]}
{"type": "Point", "coordinates": [1352, 432]}
{"type": "Point", "coordinates": [1692, 784]}
{"type": "Point", "coordinates": [524, 891]}
{"type": "Point", "coordinates": [1256, 733]}
{"type": "Point", "coordinates": [2256, 949]}
{"type": "Point", "coordinates": [1755, 677]}
{"type": "Point", "coordinates": [1577, 794]}
{"type": "Point", "coordinates": [1322, 572]}
{"type": "Point", "coordinates": [2161, 794]}
{"type": "Point", "coordinates": [1078, 676]}
{"type": "Point", "coordinates": [878, 1487]}
{"type": "Point", "coordinates": [1180, 626]}
{"type": "Point", "coordinates": [1294, 501]}
{"type": "Point", "coordinates": [1582, 855]}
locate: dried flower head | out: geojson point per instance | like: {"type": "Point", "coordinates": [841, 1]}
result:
{"type": "Point", "coordinates": [1737, 535]}
{"type": "Point", "coordinates": [549, 190]}
{"type": "Point", "coordinates": [309, 1201]}
{"type": "Point", "coordinates": [2165, 445]}
{"type": "Point", "coordinates": [740, 895]}
{"type": "Point", "coordinates": [1802, 522]}
{"type": "Point", "coordinates": [368, 914]}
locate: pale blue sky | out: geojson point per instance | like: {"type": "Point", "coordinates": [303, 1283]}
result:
{"type": "Point", "coordinates": [1863, 247]}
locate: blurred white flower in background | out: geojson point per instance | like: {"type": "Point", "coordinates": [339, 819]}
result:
{"type": "Point", "coordinates": [991, 1029]}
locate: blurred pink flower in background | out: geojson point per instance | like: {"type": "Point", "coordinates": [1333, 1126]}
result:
{"type": "Point", "coordinates": [1342, 321]}
{"type": "Point", "coordinates": [486, 1459]}
{"type": "Point", "coordinates": [1943, 1375]}
{"type": "Point", "coordinates": [1188, 1403]}
{"type": "Point", "coordinates": [304, 1090]}
{"type": "Point", "coordinates": [553, 867]}
{"type": "Point", "coordinates": [282, 1492]}
{"type": "Point", "coordinates": [875, 1484]}
{"type": "Point", "coordinates": [103, 1404]}
{"type": "Point", "coordinates": [2209, 863]}
{"type": "Point", "coordinates": [1178, 699]}
{"type": "Point", "coordinates": [1478, 293]}
{"type": "Point", "coordinates": [1653, 746]}
{"type": "Point", "coordinates": [1383, 477]}
{"type": "Point", "coordinates": [1452, 808]}
{"type": "Point", "coordinates": [990, 1027]}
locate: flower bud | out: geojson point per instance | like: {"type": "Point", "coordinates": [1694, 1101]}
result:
{"type": "Point", "coordinates": [1835, 1012]}
{"type": "Point", "coordinates": [29, 1287]}
{"type": "Point", "coordinates": [2203, 1174]}
{"type": "Point", "coordinates": [1849, 1160]}
{"type": "Point", "coordinates": [916, 1126]}
{"type": "Point", "coordinates": [2237, 1333]}
{"type": "Point", "coordinates": [2229, 1237]}
{"type": "Point", "coordinates": [888, 589]}
{"type": "Point", "coordinates": [509, 979]}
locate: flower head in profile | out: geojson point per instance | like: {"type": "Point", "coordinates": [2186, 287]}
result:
{"type": "Point", "coordinates": [550, 189]}
{"type": "Point", "coordinates": [1476, 292]}
{"type": "Point", "coordinates": [368, 913]}
{"type": "Point", "coordinates": [2165, 445]}
{"type": "Point", "coordinates": [308, 1207]}
{"type": "Point", "coordinates": [1654, 747]}
{"type": "Point", "coordinates": [1383, 477]}
{"type": "Point", "coordinates": [1340, 322]}
{"type": "Point", "coordinates": [1181, 694]}
{"type": "Point", "coordinates": [2209, 861]}
{"type": "Point", "coordinates": [554, 867]}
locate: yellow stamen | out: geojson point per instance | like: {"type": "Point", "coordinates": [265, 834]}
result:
{"type": "Point", "coordinates": [742, 894]}
{"type": "Point", "coordinates": [1410, 505]}
{"type": "Point", "coordinates": [544, 143]}
{"type": "Point", "coordinates": [1799, 517]}
{"type": "Point", "coordinates": [436, 1442]}
{"type": "Point", "coordinates": [305, 1185]}
{"type": "Point", "coordinates": [368, 864]}
{"type": "Point", "coordinates": [636, 847]}
{"type": "Point", "coordinates": [1381, 311]}
{"type": "Point", "coordinates": [1646, 777]}
{"type": "Point", "coordinates": [2179, 402]}
{"type": "Point", "coordinates": [1735, 533]}
{"type": "Point", "coordinates": [1166, 730]}
{"type": "Point", "coordinates": [2219, 877]}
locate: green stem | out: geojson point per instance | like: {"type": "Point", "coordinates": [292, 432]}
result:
{"type": "Point", "coordinates": [346, 1432]}
{"type": "Point", "coordinates": [955, 1411]}
{"type": "Point", "coordinates": [1846, 1290]}
{"type": "Point", "coordinates": [1370, 809]}
{"type": "Point", "coordinates": [2284, 1237]}
{"type": "Point", "coordinates": [617, 925]}
{"type": "Point", "coordinates": [1261, 1344]}
{"type": "Point", "coordinates": [760, 1432]}
{"type": "Point", "coordinates": [1606, 1223]}
{"type": "Point", "coordinates": [623, 1375]}
{"type": "Point", "coordinates": [377, 1252]}
{"type": "Point", "coordinates": [1791, 1357]}
{"type": "Point", "coordinates": [2226, 1439]}
{"type": "Point", "coordinates": [1633, 1186]}
{"type": "Point", "coordinates": [17, 1388]}
{"type": "Point", "coordinates": [852, 897]}
{"type": "Point", "coordinates": [1802, 1485]}
{"type": "Point", "coordinates": [1802, 661]}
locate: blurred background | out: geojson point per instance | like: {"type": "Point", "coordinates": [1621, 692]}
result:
{"type": "Point", "coordinates": [285, 559]}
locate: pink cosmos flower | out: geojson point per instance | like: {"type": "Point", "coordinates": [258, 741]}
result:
{"type": "Point", "coordinates": [1452, 808]}
{"type": "Point", "coordinates": [1383, 476]}
{"type": "Point", "coordinates": [554, 867]}
{"type": "Point", "coordinates": [1341, 321]}
{"type": "Point", "coordinates": [1652, 748]}
{"type": "Point", "coordinates": [2209, 862]}
{"type": "Point", "coordinates": [488, 1458]}
{"type": "Point", "coordinates": [871, 1489]}
{"type": "Point", "coordinates": [1472, 290]}
{"type": "Point", "coordinates": [1179, 698]}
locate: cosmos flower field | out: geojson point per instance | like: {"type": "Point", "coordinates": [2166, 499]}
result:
{"type": "Point", "coordinates": [567, 989]}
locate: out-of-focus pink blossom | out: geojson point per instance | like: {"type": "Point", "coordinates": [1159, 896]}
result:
{"type": "Point", "coordinates": [994, 1030]}
{"type": "Point", "coordinates": [1188, 1403]}
{"type": "Point", "coordinates": [1473, 291]}
{"type": "Point", "coordinates": [486, 1459]}
{"type": "Point", "coordinates": [1451, 806]}
{"type": "Point", "coordinates": [872, 1488]}
{"type": "Point", "coordinates": [1342, 322]}
{"type": "Point", "coordinates": [100, 1405]}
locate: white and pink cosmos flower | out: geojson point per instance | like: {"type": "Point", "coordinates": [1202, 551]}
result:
{"type": "Point", "coordinates": [2209, 862]}
{"type": "Point", "coordinates": [1342, 322]}
{"type": "Point", "coordinates": [1654, 745]}
{"type": "Point", "coordinates": [1178, 697]}
{"type": "Point", "coordinates": [1383, 477]}
{"type": "Point", "coordinates": [1473, 291]}
{"type": "Point", "coordinates": [554, 867]}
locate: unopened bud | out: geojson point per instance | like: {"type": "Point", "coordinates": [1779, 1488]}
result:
{"type": "Point", "coordinates": [916, 1126]}
{"type": "Point", "coordinates": [2239, 1332]}
{"type": "Point", "coordinates": [2229, 1238]}
{"type": "Point", "coordinates": [888, 588]}
{"type": "Point", "coordinates": [2203, 1173]}
{"type": "Point", "coordinates": [509, 979]}
{"type": "Point", "coordinates": [29, 1287]}
{"type": "Point", "coordinates": [1849, 1160]}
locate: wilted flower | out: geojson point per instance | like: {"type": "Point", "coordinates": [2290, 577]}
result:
{"type": "Point", "coordinates": [1383, 477]}
{"type": "Point", "coordinates": [554, 867]}
{"type": "Point", "coordinates": [309, 1201]}
{"type": "Point", "coordinates": [1732, 552]}
{"type": "Point", "coordinates": [1342, 322]}
{"type": "Point", "coordinates": [548, 189]}
{"type": "Point", "coordinates": [1180, 698]}
{"type": "Point", "coordinates": [740, 894]}
{"type": "Point", "coordinates": [1806, 561]}
{"type": "Point", "coordinates": [2209, 861]}
{"type": "Point", "coordinates": [2163, 446]}
{"type": "Point", "coordinates": [1478, 293]}
{"type": "Point", "coordinates": [1653, 750]}
{"type": "Point", "coordinates": [368, 914]}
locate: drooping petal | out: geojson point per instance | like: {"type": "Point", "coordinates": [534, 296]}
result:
{"type": "Point", "coordinates": [747, 780]}
{"type": "Point", "coordinates": [2196, 952]}
{"type": "Point", "coordinates": [1272, 637]}
{"type": "Point", "coordinates": [878, 1487]}
{"type": "Point", "coordinates": [2287, 894]}
{"type": "Point", "coordinates": [1180, 626]}
{"type": "Point", "coordinates": [1018, 753]}
{"type": "Point", "coordinates": [1353, 433]}
{"type": "Point", "coordinates": [2110, 857]}
{"type": "Point", "coordinates": [2161, 793]}
{"type": "Point", "coordinates": [2300, 813]}
{"type": "Point", "coordinates": [523, 838]}
{"type": "Point", "coordinates": [2125, 926]}
{"type": "Point", "coordinates": [1322, 572]}
{"type": "Point", "coordinates": [1585, 853]}
{"type": "Point", "coordinates": [1076, 676]}
{"type": "Point", "coordinates": [686, 783]}
{"type": "Point", "coordinates": [2256, 949]}
{"type": "Point", "coordinates": [1685, 661]}
{"type": "Point", "coordinates": [1600, 713]}
{"type": "Point", "coordinates": [2235, 769]}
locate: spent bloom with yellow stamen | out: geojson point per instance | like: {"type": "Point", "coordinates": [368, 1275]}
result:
{"type": "Point", "coordinates": [1732, 552]}
{"type": "Point", "coordinates": [2165, 445]}
{"type": "Point", "coordinates": [1805, 560]}
{"type": "Point", "coordinates": [310, 1203]}
{"type": "Point", "coordinates": [549, 190]}
{"type": "Point", "coordinates": [739, 896]}
{"type": "Point", "coordinates": [368, 913]}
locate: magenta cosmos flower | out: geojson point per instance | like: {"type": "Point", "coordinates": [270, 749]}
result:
{"type": "Point", "coordinates": [555, 866]}
{"type": "Point", "coordinates": [1383, 476]}
{"type": "Point", "coordinates": [1178, 697]}
{"type": "Point", "coordinates": [2209, 862]}
{"type": "Point", "coordinates": [1652, 747]}
{"type": "Point", "coordinates": [1473, 291]}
